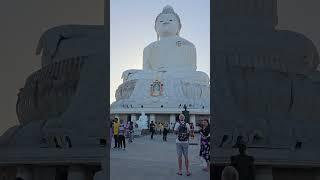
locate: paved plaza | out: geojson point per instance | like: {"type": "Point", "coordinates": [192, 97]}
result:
{"type": "Point", "coordinates": [153, 160]}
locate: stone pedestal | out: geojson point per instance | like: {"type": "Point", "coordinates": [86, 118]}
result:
{"type": "Point", "coordinates": [264, 173]}
{"type": "Point", "coordinates": [47, 173]}
{"type": "Point", "coordinates": [24, 173]}
{"type": "Point", "coordinates": [76, 173]}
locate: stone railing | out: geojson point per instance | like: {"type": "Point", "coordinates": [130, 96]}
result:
{"type": "Point", "coordinates": [48, 91]}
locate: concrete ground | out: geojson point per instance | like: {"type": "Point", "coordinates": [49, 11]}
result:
{"type": "Point", "coordinates": [153, 160]}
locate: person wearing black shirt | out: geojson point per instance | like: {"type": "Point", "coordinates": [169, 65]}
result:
{"type": "Point", "coordinates": [152, 129]}
{"type": "Point", "coordinates": [244, 163]}
{"type": "Point", "coordinates": [165, 132]}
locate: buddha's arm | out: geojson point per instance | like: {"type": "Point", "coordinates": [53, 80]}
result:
{"type": "Point", "coordinates": [146, 59]}
{"type": "Point", "coordinates": [193, 57]}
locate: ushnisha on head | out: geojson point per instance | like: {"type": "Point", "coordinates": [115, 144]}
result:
{"type": "Point", "coordinates": [167, 23]}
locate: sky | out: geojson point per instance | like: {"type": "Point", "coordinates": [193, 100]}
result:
{"type": "Point", "coordinates": [132, 29]}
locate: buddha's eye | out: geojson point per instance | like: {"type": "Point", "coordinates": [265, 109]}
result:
{"type": "Point", "coordinates": [161, 21]}
{"type": "Point", "coordinates": [170, 20]}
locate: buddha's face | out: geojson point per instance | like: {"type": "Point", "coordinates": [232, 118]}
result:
{"type": "Point", "coordinates": [167, 25]}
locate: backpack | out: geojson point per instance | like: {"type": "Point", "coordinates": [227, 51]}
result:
{"type": "Point", "coordinates": [131, 126]}
{"type": "Point", "coordinates": [183, 134]}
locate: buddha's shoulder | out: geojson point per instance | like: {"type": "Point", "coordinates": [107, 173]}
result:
{"type": "Point", "coordinates": [185, 42]}
{"type": "Point", "coordinates": [152, 45]}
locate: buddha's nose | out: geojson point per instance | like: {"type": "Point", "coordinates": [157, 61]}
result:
{"type": "Point", "coordinates": [166, 23]}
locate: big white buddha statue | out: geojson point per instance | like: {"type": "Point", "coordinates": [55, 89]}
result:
{"type": "Point", "coordinates": [171, 62]}
{"type": "Point", "coordinates": [170, 53]}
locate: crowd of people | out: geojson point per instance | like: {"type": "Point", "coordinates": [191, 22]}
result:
{"type": "Point", "coordinates": [241, 167]}
{"type": "Point", "coordinates": [159, 128]}
{"type": "Point", "coordinates": [121, 131]}
{"type": "Point", "coordinates": [184, 131]}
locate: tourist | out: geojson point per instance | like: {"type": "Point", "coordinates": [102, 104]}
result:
{"type": "Point", "coordinates": [122, 133]}
{"type": "Point", "coordinates": [192, 131]}
{"type": "Point", "coordinates": [182, 130]}
{"type": "Point", "coordinates": [229, 173]}
{"type": "Point", "coordinates": [111, 132]}
{"type": "Point", "coordinates": [127, 129]}
{"type": "Point", "coordinates": [165, 133]}
{"type": "Point", "coordinates": [131, 133]}
{"type": "Point", "coordinates": [111, 129]}
{"type": "Point", "coordinates": [243, 163]}
{"type": "Point", "coordinates": [152, 129]}
{"type": "Point", "coordinates": [161, 128]}
{"type": "Point", "coordinates": [205, 144]}
{"type": "Point", "coordinates": [116, 126]}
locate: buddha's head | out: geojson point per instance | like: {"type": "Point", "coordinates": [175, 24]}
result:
{"type": "Point", "coordinates": [167, 23]}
